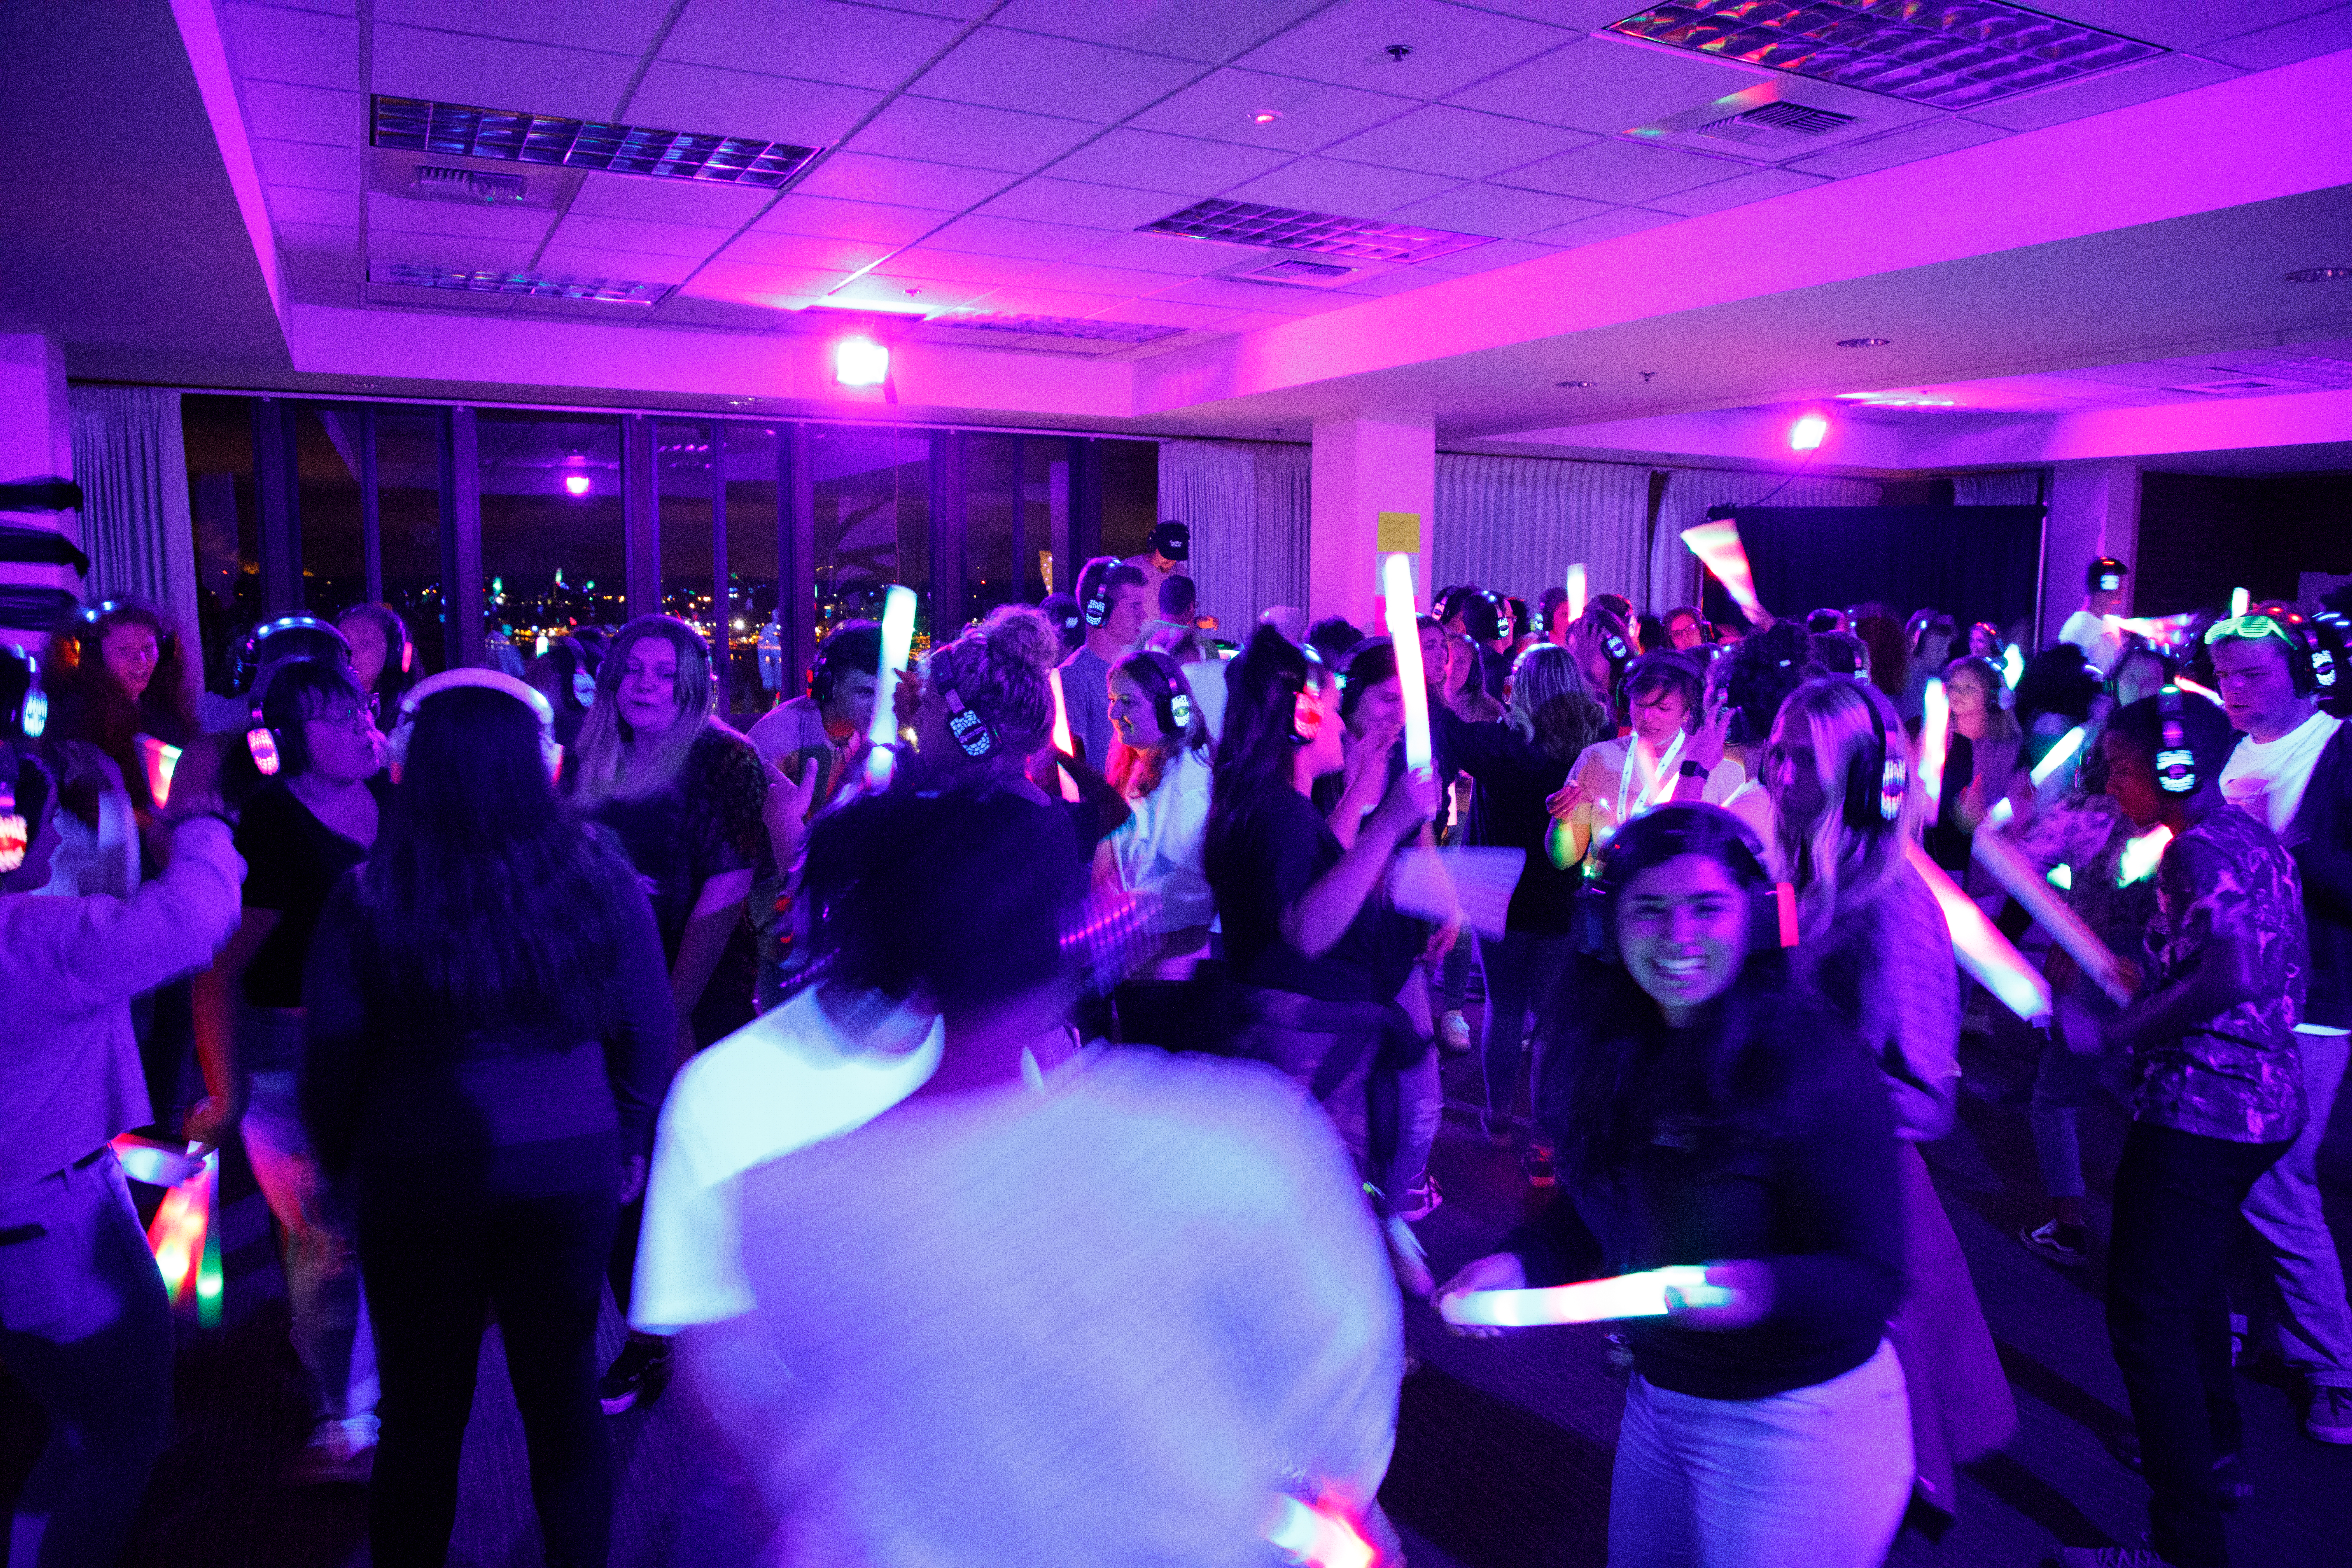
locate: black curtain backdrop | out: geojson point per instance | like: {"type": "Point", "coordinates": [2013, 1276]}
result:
{"type": "Point", "coordinates": [1976, 561]}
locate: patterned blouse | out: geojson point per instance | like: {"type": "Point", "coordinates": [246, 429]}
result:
{"type": "Point", "coordinates": [2237, 1077]}
{"type": "Point", "coordinates": [2087, 835]}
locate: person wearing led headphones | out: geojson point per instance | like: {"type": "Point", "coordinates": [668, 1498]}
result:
{"type": "Point", "coordinates": [84, 1322]}
{"type": "Point", "coordinates": [2292, 770]}
{"type": "Point", "coordinates": [383, 655]}
{"type": "Point", "coordinates": [1160, 766]}
{"type": "Point", "coordinates": [488, 1029]}
{"type": "Point", "coordinates": [2093, 627]}
{"type": "Point", "coordinates": [1112, 596]}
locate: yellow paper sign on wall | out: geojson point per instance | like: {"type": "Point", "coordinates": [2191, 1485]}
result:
{"type": "Point", "coordinates": [1400, 531]}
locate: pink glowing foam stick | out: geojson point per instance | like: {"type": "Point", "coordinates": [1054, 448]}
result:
{"type": "Point", "coordinates": [2032, 889]}
{"type": "Point", "coordinates": [1316, 1535]}
{"type": "Point", "coordinates": [1983, 951]}
{"type": "Point", "coordinates": [1063, 745]}
{"type": "Point", "coordinates": [1718, 546]}
{"type": "Point", "coordinates": [1576, 591]}
{"type": "Point", "coordinates": [1640, 1295]}
{"type": "Point", "coordinates": [161, 759]}
{"type": "Point", "coordinates": [1404, 641]}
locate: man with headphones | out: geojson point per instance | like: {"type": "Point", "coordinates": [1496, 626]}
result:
{"type": "Point", "coordinates": [828, 724]}
{"type": "Point", "coordinates": [2092, 629]}
{"type": "Point", "coordinates": [2292, 770]}
{"type": "Point", "coordinates": [1111, 602]}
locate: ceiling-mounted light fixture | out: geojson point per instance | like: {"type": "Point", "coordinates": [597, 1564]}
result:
{"type": "Point", "coordinates": [860, 362]}
{"type": "Point", "coordinates": [1264, 116]}
{"type": "Point", "coordinates": [2319, 275]}
{"type": "Point", "coordinates": [1864, 343]}
{"type": "Point", "coordinates": [577, 484]}
{"type": "Point", "coordinates": [1808, 433]}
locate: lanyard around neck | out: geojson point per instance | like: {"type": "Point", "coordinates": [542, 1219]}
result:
{"type": "Point", "coordinates": [1642, 802]}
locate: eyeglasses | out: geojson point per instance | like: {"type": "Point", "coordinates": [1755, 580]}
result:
{"type": "Point", "coordinates": [2251, 626]}
{"type": "Point", "coordinates": [361, 715]}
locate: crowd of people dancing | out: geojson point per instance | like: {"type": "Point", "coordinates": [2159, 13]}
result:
{"type": "Point", "coordinates": [1006, 1123]}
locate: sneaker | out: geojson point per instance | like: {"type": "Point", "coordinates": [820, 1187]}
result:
{"type": "Point", "coordinates": [1418, 1202]}
{"type": "Point", "coordinates": [1454, 1032]}
{"type": "Point", "coordinates": [2067, 1244]}
{"type": "Point", "coordinates": [639, 1373]}
{"type": "Point", "coordinates": [341, 1449]}
{"type": "Point", "coordinates": [1537, 1165]}
{"type": "Point", "coordinates": [2329, 1419]}
{"type": "Point", "coordinates": [2108, 1557]}
{"type": "Point", "coordinates": [2231, 1487]}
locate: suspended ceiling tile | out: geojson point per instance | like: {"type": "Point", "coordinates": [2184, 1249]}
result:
{"type": "Point", "coordinates": [318, 246]}
{"type": "Point", "coordinates": [1071, 201]}
{"type": "Point", "coordinates": [799, 214]}
{"type": "Point", "coordinates": [1487, 258]}
{"type": "Point", "coordinates": [746, 280]}
{"type": "Point", "coordinates": [1257, 298]}
{"type": "Point", "coordinates": [1439, 138]}
{"type": "Point", "coordinates": [1452, 47]}
{"type": "Point", "coordinates": [1736, 192]}
{"type": "Point", "coordinates": [1608, 225]}
{"type": "Point", "coordinates": [986, 138]}
{"type": "Point", "coordinates": [285, 112]}
{"type": "Point", "coordinates": [1166, 253]}
{"type": "Point", "coordinates": [499, 73]}
{"type": "Point", "coordinates": [1313, 114]}
{"type": "Point", "coordinates": [1624, 172]}
{"type": "Point", "coordinates": [1012, 237]}
{"type": "Point", "coordinates": [697, 240]}
{"type": "Point", "coordinates": [1608, 85]}
{"type": "Point", "coordinates": [1151, 161]}
{"type": "Point", "coordinates": [270, 44]}
{"type": "Point", "coordinates": [401, 215]}
{"type": "Point", "coordinates": [2158, 78]}
{"type": "Point", "coordinates": [342, 293]}
{"type": "Point", "coordinates": [2179, 24]}
{"type": "Point", "coordinates": [1084, 277]}
{"type": "Point", "coordinates": [858, 45]}
{"type": "Point", "coordinates": [1396, 280]}
{"type": "Point", "coordinates": [1191, 29]}
{"type": "Point", "coordinates": [296, 204]}
{"type": "Point", "coordinates": [688, 310]}
{"type": "Point", "coordinates": [928, 263]}
{"type": "Point", "coordinates": [675, 96]}
{"type": "Point", "coordinates": [1020, 70]}
{"type": "Point", "coordinates": [902, 181]}
{"type": "Point", "coordinates": [704, 202]}
{"type": "Point", "coordinates": [623, 26]}
{"type": "Point", "coordinates": [1497, 210]}
{"type": "Point", "coordinates": [819, 252]}
{"type": "Point", "coordinates": [1030, 297]}
{"type": "Point", "coordinates": [2288, 42]}
{"type": "Point", "coordinates": [638, 267]}
{"type": "Point", "coordinates": [449, 250]}
{"type": "Point", "coordinates": [307, 163]}
{"type": "Point", "coordinates": [1164, 312]}
{"type": "Point", "coordinates": [1330, 185]}
{"type": "Point", "coordinates": [1906, 146]}
{"type": "Point", "coordinates": [890, 294]}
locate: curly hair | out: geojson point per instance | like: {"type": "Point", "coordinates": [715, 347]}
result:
{"type": "Point", "coordinates": [1004, 670]}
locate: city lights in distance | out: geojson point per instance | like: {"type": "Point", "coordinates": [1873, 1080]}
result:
{"type": "Point", "coordinates": [860, 362]}
{"type": "Point", "coordinates": [1808, 432]}
{"type": "Point", "coordinates": [577, 484]}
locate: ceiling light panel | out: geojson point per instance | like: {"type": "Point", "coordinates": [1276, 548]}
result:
{"type": "Point", "coordinates": [531, 285]}
{"type": "Point", "coordinates": [1058, 327]}
{"type": "Point", "coordinates": [1325, 233]}
{"type": "Point", "coordinates": [1949, 54]}
{"type": "Point", "coordinates": [458, 129]}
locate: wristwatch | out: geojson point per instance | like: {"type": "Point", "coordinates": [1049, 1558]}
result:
{"type": "Point", "coordinates": [1690, 770]}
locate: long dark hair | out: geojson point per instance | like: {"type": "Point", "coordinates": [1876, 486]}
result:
{"type": "Point", "coordinates": [490, 909]}
{"type": "Point", "coordinates": [1255, 753]}
{"type": "Point", "coordinates": [88, 703]}
{"type": "Point", "coordinates": [1625, 1070]}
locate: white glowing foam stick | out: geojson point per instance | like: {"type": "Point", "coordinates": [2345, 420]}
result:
{"type": "Point", "coordinates": [1640, 1295]}
{"type": "Point", "coordinates": [1718, 546]}
{"type": "Point", "coordinates": [2043, 771]}
{"type": "Point", "coordinates": [2189, 686]}
{"type": "Point", "coordinates": [2239, 601]}
{"type": "Point", "coordinates": [2138, 860]}
{"type": "Point", "coordinates": [1576, 591]}
{"type": "Point", "coordinates": [2032, 889]}
{"type": "Point", "coordinates": [1404, 639]}
{"type": "Point", "coordinates": [1063, 745]}
{"type": "Point", "coordinates": [1473, 885]}
{"type": "Point", "coordinates": [897, 638]}
{"type": "Point", "coordinates": [1935, 740]}
{"type": "Point", "coordinates": [1983, 951]}
{"type": "Point", "coordinates": [1316, 1537]}
{"type": "Point", "coordinates": [2012, 666]}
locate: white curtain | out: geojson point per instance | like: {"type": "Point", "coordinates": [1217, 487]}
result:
{"type": "Point", "coordinates": [1247, 504]}
{"type": "Point", "coordinates": [2022, 488]}
{"type": "Point", "coordinates": [133, 472]}
{"type": "Point", "coordinates": [1674, 571]}
{"type": "Point", "coordinates": [1516, 524]}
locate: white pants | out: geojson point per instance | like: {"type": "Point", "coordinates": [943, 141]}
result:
{"type": "Point", "coordinates": [1814, 1477]}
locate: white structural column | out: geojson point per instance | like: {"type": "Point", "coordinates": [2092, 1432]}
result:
{"type": "Point", "coordinates": [35, 443]}
{"type": "Point", "coordinates": [1366, 464]}
{"type": "Point", "coordinates": [2094, 512]}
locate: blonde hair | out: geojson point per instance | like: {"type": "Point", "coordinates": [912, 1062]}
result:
{"type": "Point", "coordinates": [609, 766]}
{"type": "Point", "coordinates": [1836, 867]}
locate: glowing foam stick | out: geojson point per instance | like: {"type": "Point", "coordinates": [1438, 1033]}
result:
{"type": "Point", "coordinates": [898, 638]}
{"type": "Point", "coordinates": [1983, 951]}
{"type": "Point", "coordinates": [2043, 771]}
{"type": "Point", "coordinates": [2239, 602]}
{"type": "Point", "coordinates": [2187, 685]}
{"type": "Point", "coordinates": [161, 760]}
{"type": "Point", "coordinates": [2138, 860]}
{"type": "Point", "coordinates": [1718, 546]}
{"type": "Point", "coordinates": [1318, 1535]}
{"type": "Point", "coordinates": [1934, 738]}
{"type": "Point", "coordinates": [1576, 591]}
{"type": "Point", "coordinates": [1404, 641]}
{"type": "Point", "coordinates": [2012, 666]}
{"type": "Point", "coordinates": [2162, 630]}
{"type": "Point", "coordinates": [1474, 884]}
{"type": "Point", "coordinates": [180, 1234]}
{"type": "Point", "coordinates": [157, 1164]}
{"type": "Point", "coordinates": [2031, 889]}
{"type": "Point", "coordinates": [1063, 745]}
{"type": "Point", "coordinates": [1640, 1295]}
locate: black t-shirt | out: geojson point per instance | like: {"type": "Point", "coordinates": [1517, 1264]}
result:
{"type": "Point", "coordinates": [1949, 839]}
{"type": "Point", "coordinates": [292, 861]}
{"type": "Point", "coordinates": [1264, 865]}
{"type": "Point", "coordinates": [1515, 778]}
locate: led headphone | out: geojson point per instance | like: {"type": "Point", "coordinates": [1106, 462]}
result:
{"type": "Point", "coordinates": [1771, 921]}
{"type": "Point", "coordinates": [1094, 582]}
{"type": "Point", "coordinates": [250, 660]}
{"type": "Point", "coordinates": [550, 750]}
{"type": "Point", "coordinates": [824, 677]}
{"type": "Point", "coordinates": [1306, 699]}
{"type": "Point", "coordinates": [86, 628]}
{"type": "Point", "coordinates": [1878, 777]}
{"type": "Point", "coordinates": [971, 730]}
{"type": "Point", "coordinates": [16, 833]}
{"type": "Point", "coordinates": [28, 711]}
{"type": "Point", "coordinates": [2309, 663]}
{"type": "Point", "coordinates": [2176, 762]}
{"type": "Point", "coordinates": [1172, 702]}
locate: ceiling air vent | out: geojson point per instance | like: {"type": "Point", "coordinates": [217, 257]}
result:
{"type": "Point", "coordinates": [1059, 326]}
{"type": "Point", "coordinates": [1327, 233]}
{"type": "Point", "coordinates": [519, 136]}
{"type": "Point", "coordinates": [441, 183]}
{"type": "Point", "coordinates": [1781, 124]}
{"type": "Point", "coordinates": [527, 284]}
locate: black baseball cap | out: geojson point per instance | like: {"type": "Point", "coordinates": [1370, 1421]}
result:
{"type": "Point", "coordinates": [2104, 575]}
{"type": "Point", "coordinates": [1172, 541]}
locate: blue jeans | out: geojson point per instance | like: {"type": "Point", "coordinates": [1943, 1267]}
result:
{"type": "Point", "coordinates": [2314, 1328]}
{"type": "Point", "coordinates": [321, 1262]}
{"type": "Point", "coordinates": [1812, 1478]}
{"type": "Point", "coordinates": [86, 1327]}
{"type": "Point", "coordinates": [1524, 972]}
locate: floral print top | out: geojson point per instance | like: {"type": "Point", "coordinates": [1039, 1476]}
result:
{"type": "Point", "coordinates": [2238, 1076]}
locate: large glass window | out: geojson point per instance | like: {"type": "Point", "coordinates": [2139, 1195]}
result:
{"type": "Point", "coordinates": [218, 436]}
{"type": "Point", "coordinates": [553, 549]}
{"type": "Point", "coordinates": [753, 541]}
{"type": "Point", "coordinates": [682, 461]}
{"type": "Point", "coordinates": [873, 523]}
{"type": "Point", "coordinates": [330, 507]}
{"type": "Point", "coordinates": [408, 523]}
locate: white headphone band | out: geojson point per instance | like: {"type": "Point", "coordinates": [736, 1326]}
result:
{"type": "Point", "coordinates": [491, 680]}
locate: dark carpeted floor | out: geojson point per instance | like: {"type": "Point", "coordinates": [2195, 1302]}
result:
{"type": "Point", "coordinates": [1503, 1446]}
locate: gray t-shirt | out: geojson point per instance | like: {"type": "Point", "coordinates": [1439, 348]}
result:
{"type": "Point", "coordinates": [1085, 692]}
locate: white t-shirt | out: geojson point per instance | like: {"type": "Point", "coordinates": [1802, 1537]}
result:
{"type": "Point", "coordinates": [2269, 780]}
{"type": "Point", "coordinates": [1600, 772]}
{"type": "Point", "coordinates": [1158, 848]}
{"type": "Point", "coordinates": [2100, 639]}
{"type": "Point", "coordinates": [783, 1081]}
{"type": "Point", "coordinates": [1207, 678]}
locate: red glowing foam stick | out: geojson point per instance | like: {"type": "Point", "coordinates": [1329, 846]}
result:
{"type": "Point", "coordinates": [1718, 546]}
{"type": "Point", "coordinates": [2031, 889]}
{"type": "Point", "coordinates": [1983, 951]}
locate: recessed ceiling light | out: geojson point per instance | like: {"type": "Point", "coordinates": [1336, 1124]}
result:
{"type": "Point", "coordinates": [1864, 343]}
{"type": "Point", "coordinates": [1948, 57]}
{"type": "Point", "coordinates": [1266, 116]}
{"type": "Point", "coordinates": [477, 280]}
{"type": "Point", "coordinates": [517, 136]}
{"type": "Point", "coordinates": [2319, 275]}
{"type": "Point", "coordinates": [1576, 384]}
{"type": "Point", "coordinates": [1326, 234]}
